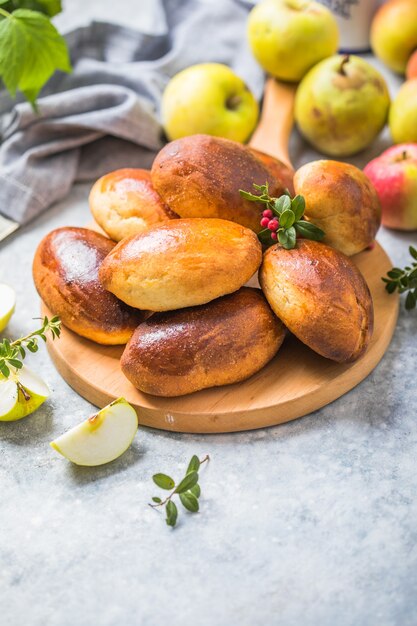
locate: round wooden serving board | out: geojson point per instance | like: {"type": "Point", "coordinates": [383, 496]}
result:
{"type": "Point", "coordinates": [296, 382]}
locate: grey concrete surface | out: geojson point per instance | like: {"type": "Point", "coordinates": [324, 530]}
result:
{"type": "Point", "coordinates": [313, 523]}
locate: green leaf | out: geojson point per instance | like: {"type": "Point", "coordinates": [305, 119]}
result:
{"type": "Point", "coordinates": [15, 363]}
{"type": "Point", "coordinates": [395, 273]}
{"type": "Point", "coordinates": [172, 513]}
{"type": "Point", "coordinates": [196, 490]}
{"type": "Point", "coordinates": [298, 205]}
{"type": "Point", "coordinates": [163, 481]}
{"type": "Point", "coordinates": [292, 237]}
{"type": "Point", "coordinates": [189, 481]}
{"type": "Point", "coordinates": [31, 49]}
{"type": "Point", "coordinates": [156, 499]}
{"type": "Point", "coordinates": [194, 464]}
{"type": "Point", "coordinates": [189, 501]}
{"type": "Point", "coordinates": [48, 7]}
{"type": "Point", "coordinates": [413, 252]}
{"type": "Point", "coordinates": [411, 301]}
{"type": "Point", "coordinates": [4, 369]}
{"type": "Point", "coordinates": [251, 197]}
{"type": "Point", "coordinates": [283, 238]}
{"type": "Point", "coordinates": [283, 203]}
{"type": "Point", "coordinates": [391, 287]}
{"type": "Point", "coordinates": [309, 230]}
{"type": "Point", "coordinates": [287, 218]}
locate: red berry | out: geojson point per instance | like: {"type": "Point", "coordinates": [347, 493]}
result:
{"type": "Point", "coordinates": [268, 213]}
{"type": "Point", "coordinates": [274, 236]}
{"type": "Point", "coordinates": [264, 222]}
{"type": "Point", "coordinates": [273, 224]}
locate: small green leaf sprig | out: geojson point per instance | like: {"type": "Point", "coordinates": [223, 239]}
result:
{"type": "Point", "coordinates": [282, 219]}
{"type": "Point", "coordinates": [12, 353]}
{"type": "Point", "coordinates": [404, 280]}
{"type": "Point", "coordinates": [187, 489]}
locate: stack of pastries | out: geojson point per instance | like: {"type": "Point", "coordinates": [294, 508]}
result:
{"type": "Point", "coordinates": [168, 276]}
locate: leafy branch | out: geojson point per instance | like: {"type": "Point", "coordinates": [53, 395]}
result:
{"type": "Point", "coordinates": [187, 489]}
{"type": "Point", "coordinates": [404, 280]}
{"type": "Point", "coordinates": [282, 219]}
{"type": "Point", "coordinates": [31, 48]}
{"type": "Point", "coordinates": [12, 353]}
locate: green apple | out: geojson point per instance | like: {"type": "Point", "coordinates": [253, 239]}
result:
{"type": "Point", "coordinates": [21, 394]}
{"type": "Point", "coordinates": [210, 99]}
{"type": "Point", "coordinates": [101, 438]}
{"type": "Point", "coordinates": [288, 37]}
{"type": "Point", "coordinates": [341, 105]}
{"type": "Point", "coordinates": [7, 305]}
{"type": "Point", "coordinates": [403, 114]}
{"type": "Point", "coordinates": [394, 33]}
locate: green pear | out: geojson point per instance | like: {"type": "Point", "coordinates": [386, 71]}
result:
{"type": "Point", "coordinates": [21, 394]}
{"type": "Point", "coordinates": [7, 305]}
{"type": "Point", "coordinates": [101, 438]}
{"type": "Point", "coordinates": [341, 105]}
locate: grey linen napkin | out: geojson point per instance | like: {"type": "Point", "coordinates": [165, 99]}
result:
{"type": "Point", "coordinates": [105, 114]}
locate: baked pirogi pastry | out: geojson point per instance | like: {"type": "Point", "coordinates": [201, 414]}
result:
{"type": "Point", "coordinates": [182, 263]}
{"type": "Point", "coordinates": [219, 343]}
{"type": "Point", "coordinates": [65, 271]}
{"type": "Point", "coordinates": [341, 200]}
{"type": "Point", "coordinates": [321, 296]}
{"type": "Point", "coordinates": [125, 203]}
{"type": "Point", "coordinates": [200, 176]}
{"type": "Point", "coordinates": [277, 168]}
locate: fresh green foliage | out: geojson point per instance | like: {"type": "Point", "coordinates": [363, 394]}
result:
{"type": "Point", "coordinates": [48, 7]}
{"type": "Point", "coordinates": [31, 48]}
{"type": "Point", "coordinates": [404, 280]}
{"type": "Point", "coordinates": [289, 212]}
{"type": "Point", "coordinates": [13, 353]}
{"type": "Point", "coordinates": [188, 491]}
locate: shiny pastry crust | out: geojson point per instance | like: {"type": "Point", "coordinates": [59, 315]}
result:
{"type": "Point", "coordinates": [341, 200]}
{"type": "Point", "coordinates": [200, 176]}
{"type": "Point", "coordinates": [219, 343]}
{"type": "Point", "coordinates": [65, 271]}
{"type": "Point", "coordinates": [182, 263]}
{"type": "Point", "coordinates": [125, 203]}
{"type": "Point", "coordinates": [278, 169]}
{"type": "Point", "coordinates": [321, 297]}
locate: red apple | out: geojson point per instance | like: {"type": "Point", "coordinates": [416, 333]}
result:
{"type": "Point", "coordinates": [411, 71]}
{"type": "Point", "coordinates": [394, 175]}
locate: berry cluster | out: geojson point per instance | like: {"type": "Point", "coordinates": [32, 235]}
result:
{"type": "Point", "coordinates": [270, 221]}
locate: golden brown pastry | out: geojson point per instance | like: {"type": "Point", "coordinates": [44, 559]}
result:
{"type": "Point", "coordinates": [125, 203]}
{"type": "Point", "coordinates": [219, 343]}
{"type": "Point", "coordinates": [200, 176]}
{"type": "Point", "coordinates": [181, 263]}
{"type": "Point", "coordinates": [321, 296]}
{"type": "Point", "coordinates": [65, 270]}
{"type": "Point", "coordinates": [341, 200]}
{"type": "Point", "coordinates": [277, 168]}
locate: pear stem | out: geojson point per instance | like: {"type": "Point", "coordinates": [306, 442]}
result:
{"type": "Point", "coordinates": [345, 60]}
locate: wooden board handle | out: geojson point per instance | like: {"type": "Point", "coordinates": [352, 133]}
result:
{"type": "Point", "coordinates": [277, 118]}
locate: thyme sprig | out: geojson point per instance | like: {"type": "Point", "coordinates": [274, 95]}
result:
{"type": "Point", "coordinates": [188, 490]}
{"type": "Point", "coordinates": [12, 353]}
{"type": "Point", "coordinates": [285, 215]}
{"type": "Point", "coordinates": [404, 280]}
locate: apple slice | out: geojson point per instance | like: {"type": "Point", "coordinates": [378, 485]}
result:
{"type": "Point", "coordinates": [101, 438]}
{"type": "Point", "coordinates": [7, 305]}
{"type": "Point", "coordinates": [21, 394]}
